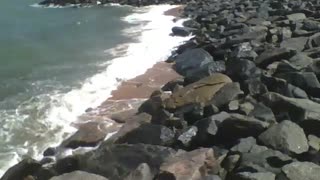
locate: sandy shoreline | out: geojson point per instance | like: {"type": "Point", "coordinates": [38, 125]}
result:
{"type": "Point", "coordinates": [130, 94]}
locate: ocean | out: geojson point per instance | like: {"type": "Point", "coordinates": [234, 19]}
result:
{"type": "Point", "coordinates": [57, 62]}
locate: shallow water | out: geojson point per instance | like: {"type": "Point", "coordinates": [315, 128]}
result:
{"type": "Point", "coordinates": [57, 62]}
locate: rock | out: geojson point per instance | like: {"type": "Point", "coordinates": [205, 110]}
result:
{"type": "Point", "coordinates": [286, 136]}
{"type": "Point", "coordinates": [117, 161]}
{"type": "Point", "coordinates": [226, 94]}
{"type": "Point", "coordinates": [311, 25]}
{"type": "Point", "coordinates": [201, 91]}
{"type": "Point", "coordinates": [255, 176]}
{"type": "Point", "coordinates": [266, 160]}
{"type": "Point", "coordinates": [256, 87]}
{"type": "Point", "coordinates": [271, 55]}
{"type": "Point", "coordinates": [188, 166]}
{"type": "Point", "coordinates": [252, 108]}
{"type": "Point", "coordinates": [88, 135]}
{"type": "Point", "coordinates": [51, 151]}
{"type": "Point", "coordinates": [123, 116]}
{"type": "Point", "coordinates": [296, 16]}
{"type": "Point", "coordinates": [191, 24]}
{"type": "Point", "coordinates": [142, 172]}
{"type": "Point", "coordinates": [212, 177]}
{"type": "Point", "coordinates": [302, 170]}
{"type": "Point", "coordinates": [170, 86]}
{"type": "Point", "coordinates": [303, 111]}
{"type": "Point", "coordinates": [241, 69]}
{"type": "Point", "coordinates": [224, 127]}
{"type": "Point", "coordinates": [134, 123]}
{"type": "Point", "coordinates": [204, 71]}
{"type": "Point", "coordinates": [245, 145]}
{"type": "Point", "coordinates": [297, 44]}
{"type": "Point", "coordinates": [314, 142]}
{"type": "Point", "coordinates": [231, 162]}
{"type": "Point", "coordinates": [153, 106]}
{"type": "Point", "coordinates": [77, 175]}
{"type": "Point", "coordinates": [148, 134]}
{"type": "Point", "coordinates": [22, 169]}
{"type": "Point", "coordinates": [313, 41]}
{"type": "Point", "coordinates": [186, 137]}
{"type": "Point", "coordinates": [181, 31]}
{"type": "Point", "coordinates": [303, 80]}
{"type": "Point", "coordinates": [192, 59]}
{"type": "Point", "coordinates": [283, 87]}
{"type": "Point", "coordinates": [301, 60]}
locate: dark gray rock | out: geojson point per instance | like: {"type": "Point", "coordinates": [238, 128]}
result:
{"type": "Point", "coordinates": [226, 94]}
{"type": "Point", "coordinates": [149, 134]}
{"type": "Point", "coordinates": [301, 170]}
{"type": "Point", "coordinates": [255, 176]}
{"type": "Point", "coordinates": [211, 68]}
{"type": "Point", "coordinates": [263, 161]}
{"type": "Point", "coordinates": [230, 162]}
{"type": "Point", "coordinates": [271, 55]}
{"type": "Point", "coordinates": [21, 170]}
{"type": "Point", "coordinates": [181, 31]}
{"type": "Point", "coordinates": [294, 43]}
{"type": "Point", "coordinates": [303, 80]}
{"type": "Point", "coordinates": [283, 87]}
{"type": "Point", "coordinates": [226, 127]}
{"type": "Point", "coordinates": [311, 25]}
{"type": "Point", "coordinates": [241, 69]}
{"type": "Point", "coordinates": [192, 59]}
{"type": "Point", "coordinates": [77, 175]}
{"type": "Point", "coordinates": [117, 161]}
{"type": "Point", "coordinates": [303, 111]}
{"type": "Point", "coordinates": [286, 136]}
{"type": "Point", "coordinates": [186, 137]}
{"type": "Point", "coordinates": [245, 145]}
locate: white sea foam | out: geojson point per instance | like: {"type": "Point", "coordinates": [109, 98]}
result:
{"type": "Point", "coordinates": [153, 45]}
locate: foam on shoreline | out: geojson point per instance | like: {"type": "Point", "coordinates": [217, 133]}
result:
{"type": "Point", "coordinates": [153, 44]}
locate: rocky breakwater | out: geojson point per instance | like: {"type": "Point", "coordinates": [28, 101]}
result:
{"type": "Point", "coordinates": [248, 107]}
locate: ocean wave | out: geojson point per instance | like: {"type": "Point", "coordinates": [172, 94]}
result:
{"type": "Point", "coordinates": [59, 110]}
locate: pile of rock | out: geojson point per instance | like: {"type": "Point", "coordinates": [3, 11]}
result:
{"type": "Point", "coordinates": [248, 107]}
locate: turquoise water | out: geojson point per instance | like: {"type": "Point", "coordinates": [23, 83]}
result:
{"type": "Point", "coordinates": [45, 53]}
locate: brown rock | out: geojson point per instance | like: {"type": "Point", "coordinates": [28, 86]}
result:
{"type": "Point", "coordinates": [201, 91]}
{"type": "Point", "coordinates": [89, 134]}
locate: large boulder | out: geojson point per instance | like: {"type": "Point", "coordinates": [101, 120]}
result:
{"type": "Point", "coordinates": [21, 170]}
{"type": "Point", "coordinates": [201, 91]}
{"type": "Point", "coordinates": [224, 127]}
{"type": "Point", "coordinates": [78, 175]}
{"type": "Point", "coordinates": [191, 60]}
{"type": "Point", "coordinates": [301, 170]}
{"type": "Point", "coordinates": [117, 161]}
{"type": "Point", "coordinates": [255, 176]}
{"type": "Point", "coordinates": [194, 165]}
{"type": "Point", "coordinates": [287, 137]}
